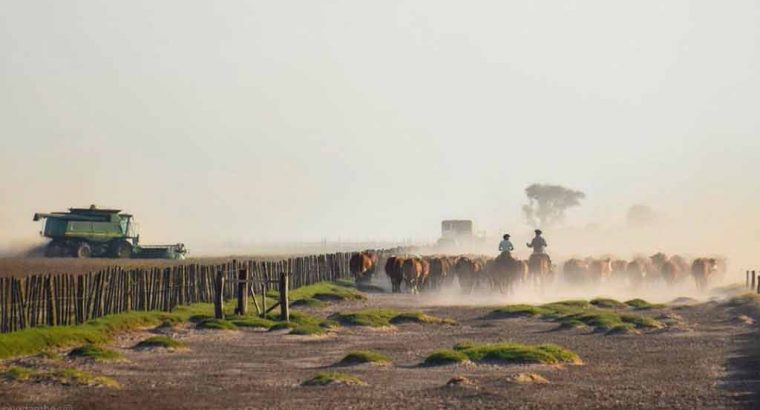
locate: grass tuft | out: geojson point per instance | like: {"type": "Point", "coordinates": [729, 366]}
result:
{"type": "Point", "coordinates": [327, 378]}
{"type": "Point", "coordinates": [385, 317]}
{"type": "Point", "coordinates": [255, 322]}
{"type": "Point", "coordinates": [574, 314]}
{"type": "Point", "coordinates": [96, 353]}
{"type": "Point", "coordinates": [608, 303]}
{"type": "Point", "coordinates": [64, 376]}
{"type": "Point", "coordinates": [319, 293]}
{"type": "Point", "coordinates": [15, 373]}
{"type": "Point", "coordinates": [161, 341]}
{"type": "Point", "coordinates": [216, 324]}
{"type": "Point", "coordinates": [98, 331]}
{"type": "Point", "coordinates": [641, 304]}
{"type": "Point", "coordinates": [445, 356]}
{"type": "Point", "coordinates": [364, 356]}
{"type": "Point", "coordinates": [419, 317]}
{"type": "Point", "coordinates": [520, 353]}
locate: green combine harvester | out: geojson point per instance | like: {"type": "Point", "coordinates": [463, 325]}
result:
{"type": "Point", "coordinates": [93, 232]}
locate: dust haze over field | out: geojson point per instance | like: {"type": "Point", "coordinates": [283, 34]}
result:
{"type": "Point", "coordinates": [239, 126]}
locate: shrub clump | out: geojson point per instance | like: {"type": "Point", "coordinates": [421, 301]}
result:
{"type": "Point", "coordinates": [385, 317]}
{"type": "Point", "coordinates": [608, 303]}
{"type": "Point", "coordinates": [64, 376]}
{"type": "Point", "coordinates": [327, 378]}
{"type": "Point", "coordinates": [96, 353]}
{"type": "Point", "coordinates": [445, 356]}
{"type": "Point", "coordinates": [364, 356]}
{"type": "Point", "coordinates": [507, 352]}
{"type": "Point", "coordinates": [165, 342]}
{"type": "Point", "coordinates": [641, 304]}
{"type": "Point", "coordinates": [216, 324]}
{"type": "Point", "coordinates": [574, 314]}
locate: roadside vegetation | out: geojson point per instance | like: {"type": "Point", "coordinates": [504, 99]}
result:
{"type": "Point", "coordinates": [573, 314]}
{"type": "Point", "coordinates": [97, 353]}
{"type": "Point", "coordinates": [165, 342]}
{"type": "Point", "coordinates": [328, 378]}
{"type": "Point", "coordinates": [503, 353]}
{"type": "Point", "coordinates": [385, 318]}
{"type": "Point", "coordinates": [364, 356]}
{"type": "Point", "coordinates": [64, 376]}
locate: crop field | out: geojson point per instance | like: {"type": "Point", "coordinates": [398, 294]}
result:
{"type": "Point", "coordinates": [356, 345]}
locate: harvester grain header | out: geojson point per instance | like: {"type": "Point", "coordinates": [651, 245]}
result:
{"type": "Point", "coordinates": [95, 232]}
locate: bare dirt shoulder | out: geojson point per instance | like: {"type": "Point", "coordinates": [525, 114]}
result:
{"type": "Point", "coordinates": [255, 369]}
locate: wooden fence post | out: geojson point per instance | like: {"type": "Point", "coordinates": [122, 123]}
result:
{"type": "Point", "coordinates": [242, 292]}
{"type": "Point", "coordinates": [284, 309]}
{"type": "Point", "coordinates": [747, 279]}
{"type": "Point", "coordinates": [263, 300]}
{"type": "Point", "coordinates": [219, 295]}
{"type": "Point", "coordinates": [754, 277]}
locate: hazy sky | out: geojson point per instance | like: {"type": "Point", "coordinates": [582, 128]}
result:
{"type": "Point", "coordinates": [240, 121]}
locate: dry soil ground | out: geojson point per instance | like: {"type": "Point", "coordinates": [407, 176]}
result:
{"type": "Point", "coordinates": [695, 366]}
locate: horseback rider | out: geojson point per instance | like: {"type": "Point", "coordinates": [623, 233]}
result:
{"type": "Point", "coordinates": [538, 243]}
{"type": "Point", "coordinates": [505, 246]}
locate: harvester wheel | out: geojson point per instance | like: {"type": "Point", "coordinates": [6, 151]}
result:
{"type": "Point", "coordinates": [55, 250]}
{"type": "Point", "coordinates": [83, 250]}
{"type": "Point", "coordinates": [122, 250]}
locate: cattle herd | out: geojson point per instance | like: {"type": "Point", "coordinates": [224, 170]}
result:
{"type": "Point", "coordinates": [503, 273]}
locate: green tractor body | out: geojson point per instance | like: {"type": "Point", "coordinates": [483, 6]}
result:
{"type": "Point", "coordinates": [86, 232]}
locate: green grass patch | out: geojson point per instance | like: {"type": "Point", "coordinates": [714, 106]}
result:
{"type": "Point", "coordinates": [96, 353]}
{"type": "Point", "coordinates": [445, 356]}
{"type": "Point", "coordinates": [97, 331]}
{"type": "Point", "coordinates": [49, 355]}
{"type": "Point", "coordinates": [419, 317]}
{"type": "Point", "coordinates": [520, 353]}
{"type": "Point", "coordinates": [216, 324]}
{"type": "Point", "coordinates": [255, 322]}
{"type": "Point", "coordinates": [578, 313]}
{"type": "Point", "coordinates": [309, 302]}
{"type": "Point", "coordinates": [607, 303]}
{"type": "Point", "coordinates": [65, 376]}
{"type": "Point", "coordinates": [641, 304]}
{"type": "Point", "coordinates": [511, 311]}
{"type": "Point", "coordinates": [385, 317]}
{"type": "Point", "coordinates": [364, 356]}
{"type": "Point", "coordinates": [15, 373]}
{"type": "Point", "coordinates": [322, 292]}
{"type": "Point", "coordinates": [161, 341]}
{"type": "Point", "coordinates": [327, 378]}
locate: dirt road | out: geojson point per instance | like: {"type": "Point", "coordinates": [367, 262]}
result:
{"type": "Point", "coordinates": [675, 368]}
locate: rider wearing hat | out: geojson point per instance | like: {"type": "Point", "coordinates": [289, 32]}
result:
{"type": "Point", "coordinates": [538, 243]}
{"type": "Point", "coordinates": [505, 246]}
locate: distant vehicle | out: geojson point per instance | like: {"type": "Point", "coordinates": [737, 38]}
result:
{"type": "Point", "coordinates": [94, 232]}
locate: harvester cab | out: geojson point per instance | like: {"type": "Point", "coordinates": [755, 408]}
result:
{"type": "Point", "coordinates": [95, 232]}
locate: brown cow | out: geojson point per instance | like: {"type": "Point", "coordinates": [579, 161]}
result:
{"type": "Point", "coordinates": [412, 270]}
{"type": "Point", "coordinates": [468, 271]}
{"type": "Point", "coordinates": [504, 272]}
{"type": "Point", "coordinates": [618, 267]}
{"type": "Point", "coordinates": [393, 268]}
{"type": "Point", "coordinates": [669, 270]}
{"type": "Point", "coordinates": [702, 269]}
{"type": "Point", "coordinates": [599, 270]}
{"type": "Point", "coordinates": [636, 271]}
{"type": "Point", "coordinates": [575, 271]}
{"type": "Point", "coordinates": [362, 265]}
{"type": "Point", "coordinates": [439, 271]}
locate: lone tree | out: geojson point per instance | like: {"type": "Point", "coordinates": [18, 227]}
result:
{"type": "Point", "coordinates": [547, 203]}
